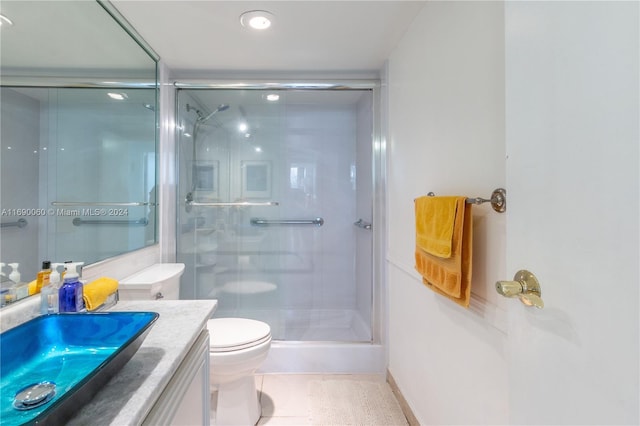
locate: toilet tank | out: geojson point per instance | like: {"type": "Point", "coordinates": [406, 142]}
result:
{"type": "Point", "coordinates": [159, 281]}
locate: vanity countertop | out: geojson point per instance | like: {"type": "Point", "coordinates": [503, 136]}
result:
{"type": "Point", "coordinates": [132, 392]}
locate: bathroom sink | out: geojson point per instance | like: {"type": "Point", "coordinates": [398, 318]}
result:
{"type": "Point", "coordinates": [52, 365]}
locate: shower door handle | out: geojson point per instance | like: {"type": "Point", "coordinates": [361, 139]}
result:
{"type": "Point", "coordinates": [362, 224]}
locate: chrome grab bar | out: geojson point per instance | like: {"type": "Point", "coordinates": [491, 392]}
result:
{"type": "Point", "coordinates": [141, 222]}
{"type": "Point", "coordinates": [362, 224]}
{"type": "Point", "coordinates": [20, 223]}
{"type": "Point", "coordinates": [318, 221]}
{"type": "Point", "coordinates": [234, 204]}
{"type": "Point", "coordinates": [89, 203]}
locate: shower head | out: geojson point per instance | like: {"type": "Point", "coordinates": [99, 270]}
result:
{"type": "Point", "coordinates": [202, 118]}
{"type": "Point", "coordinates": [221, 107]}
{"type": "Point", "coordinates": [196, 125]}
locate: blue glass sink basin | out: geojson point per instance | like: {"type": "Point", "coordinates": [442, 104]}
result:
{"type": "Point", "coordinates": [52, 365]}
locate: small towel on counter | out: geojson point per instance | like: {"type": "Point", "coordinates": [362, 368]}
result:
{"type": "Point", "coordinates": [450, 277]}
{"type": "Point", "coordinates": [435, 217]}
{"type": "Point", "coordinates": [95, 293]}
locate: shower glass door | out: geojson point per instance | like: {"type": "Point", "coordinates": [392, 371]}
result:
{"type": "Point", "coordinates": [271, 184]}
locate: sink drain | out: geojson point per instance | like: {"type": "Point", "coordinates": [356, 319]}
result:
{"type": "Point", "coordinates": [34, 395]}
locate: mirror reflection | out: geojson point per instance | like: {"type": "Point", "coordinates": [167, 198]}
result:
{"type": "Point", "coordinates": [78, 138]}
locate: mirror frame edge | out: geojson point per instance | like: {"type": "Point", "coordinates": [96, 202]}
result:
{"type": "Point", "coordinates": [129, 29]}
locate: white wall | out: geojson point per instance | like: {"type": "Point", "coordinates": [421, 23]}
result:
{"type": "Point", "coordinates": [446, 135]}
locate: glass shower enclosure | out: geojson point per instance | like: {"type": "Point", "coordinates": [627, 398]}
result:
{"type": "Point", "coordinates": [275, 207]}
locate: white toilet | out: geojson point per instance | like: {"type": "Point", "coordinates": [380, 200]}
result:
{"type": "Point", "coordinates": [238, 346]}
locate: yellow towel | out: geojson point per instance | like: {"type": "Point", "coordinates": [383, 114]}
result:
{"type": "Point", "coordinates": [435, 224]}
{"type": "Point", "coordinates": [33, 286]}
{"type": "Point", "coordinates": [96, 292]}
{"type": "Point", "coordinates": [451, 277]}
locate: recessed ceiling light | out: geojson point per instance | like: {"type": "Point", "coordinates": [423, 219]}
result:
{"type": "Point", "coordinates": [272, 97]}
{"type": "Point", "coordinates": [256, 19]}
{"type": "Point", "coordinates": [242, 127]}
{"type": "Point", "coordinates": [4, 20]}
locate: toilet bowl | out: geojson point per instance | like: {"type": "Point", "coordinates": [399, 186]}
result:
{"type": "Point", "coordinates": [237, 346]}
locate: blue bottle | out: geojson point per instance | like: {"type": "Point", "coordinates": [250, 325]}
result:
{"type": "Point", "coordinates": [70, 294]}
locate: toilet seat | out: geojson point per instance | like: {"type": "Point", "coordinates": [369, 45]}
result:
{"type": "Point", "coordinates": [234, 334]}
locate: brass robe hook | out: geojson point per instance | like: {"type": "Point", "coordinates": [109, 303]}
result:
{"type": "Point", "coordinates": [525, 285]}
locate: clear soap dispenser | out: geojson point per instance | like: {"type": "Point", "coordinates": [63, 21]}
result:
{"type": "Point", "coordinates": [49, 297]}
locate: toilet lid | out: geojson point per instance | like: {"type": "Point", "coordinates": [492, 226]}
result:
{"type": "Point", "coordinates": [232, 334]}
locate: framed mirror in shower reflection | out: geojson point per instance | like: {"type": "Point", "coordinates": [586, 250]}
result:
{"type": "Point", "coordinates": [78, 135]}
{"type": "Point", "coordinates": [256, 179]}
{"type": "Point", "coordinates": [205, 183]}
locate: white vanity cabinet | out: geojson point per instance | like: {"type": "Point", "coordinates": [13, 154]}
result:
{"type": "Point", "coordinates": [186, 399]}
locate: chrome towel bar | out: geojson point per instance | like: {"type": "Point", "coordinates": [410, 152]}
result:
{"type": "Point", "coordinates": [140, 222]}
{"type": "Point", "coordinates": [318, 221]}
{"type": "Point", "coordinates": [90, 203]}
{"type": "Point", "coordinates": [234, 204]}
{"type": "Point", "coordinates": [498, 200]}
{"type": "Point", "coordinates": [20, 223]}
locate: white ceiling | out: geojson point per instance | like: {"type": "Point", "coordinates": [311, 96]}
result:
{"type": "Point", "coordinates": [306, 36]}
{"type": "Point", "coordinates": [54, 38]}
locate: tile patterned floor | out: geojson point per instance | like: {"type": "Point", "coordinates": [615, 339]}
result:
{"type": "Point", "coordinates": [285, 398]}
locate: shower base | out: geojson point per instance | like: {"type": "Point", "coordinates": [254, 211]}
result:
{"type": "Point", "coordinates": [317, 341]}
{"type": "Point", "coordinates": [325, 358]}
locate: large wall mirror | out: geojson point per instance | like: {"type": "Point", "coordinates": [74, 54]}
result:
{"type": "Point", "coordinates": [78, 135]}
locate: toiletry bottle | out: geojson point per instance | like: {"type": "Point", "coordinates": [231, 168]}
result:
{"type": "Point", "coordinates": [49, 294]}
{"type": "Point", "coordinates": [70, 294]}
{"type": "Point", "coordinates": [70, 265]}
{"type": "Point", "coordinates": [42, 279]}
{"type": "Point", "coordinates": [64, 271]}
{"type": "Point", "coordinates": [56, 277]}
{"type": "Point", "coordinates": [7, 287]}
{"type": "Point", "coordinates": [15, 274]}
{"type": "Point", "coordinates": [22, 289]}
